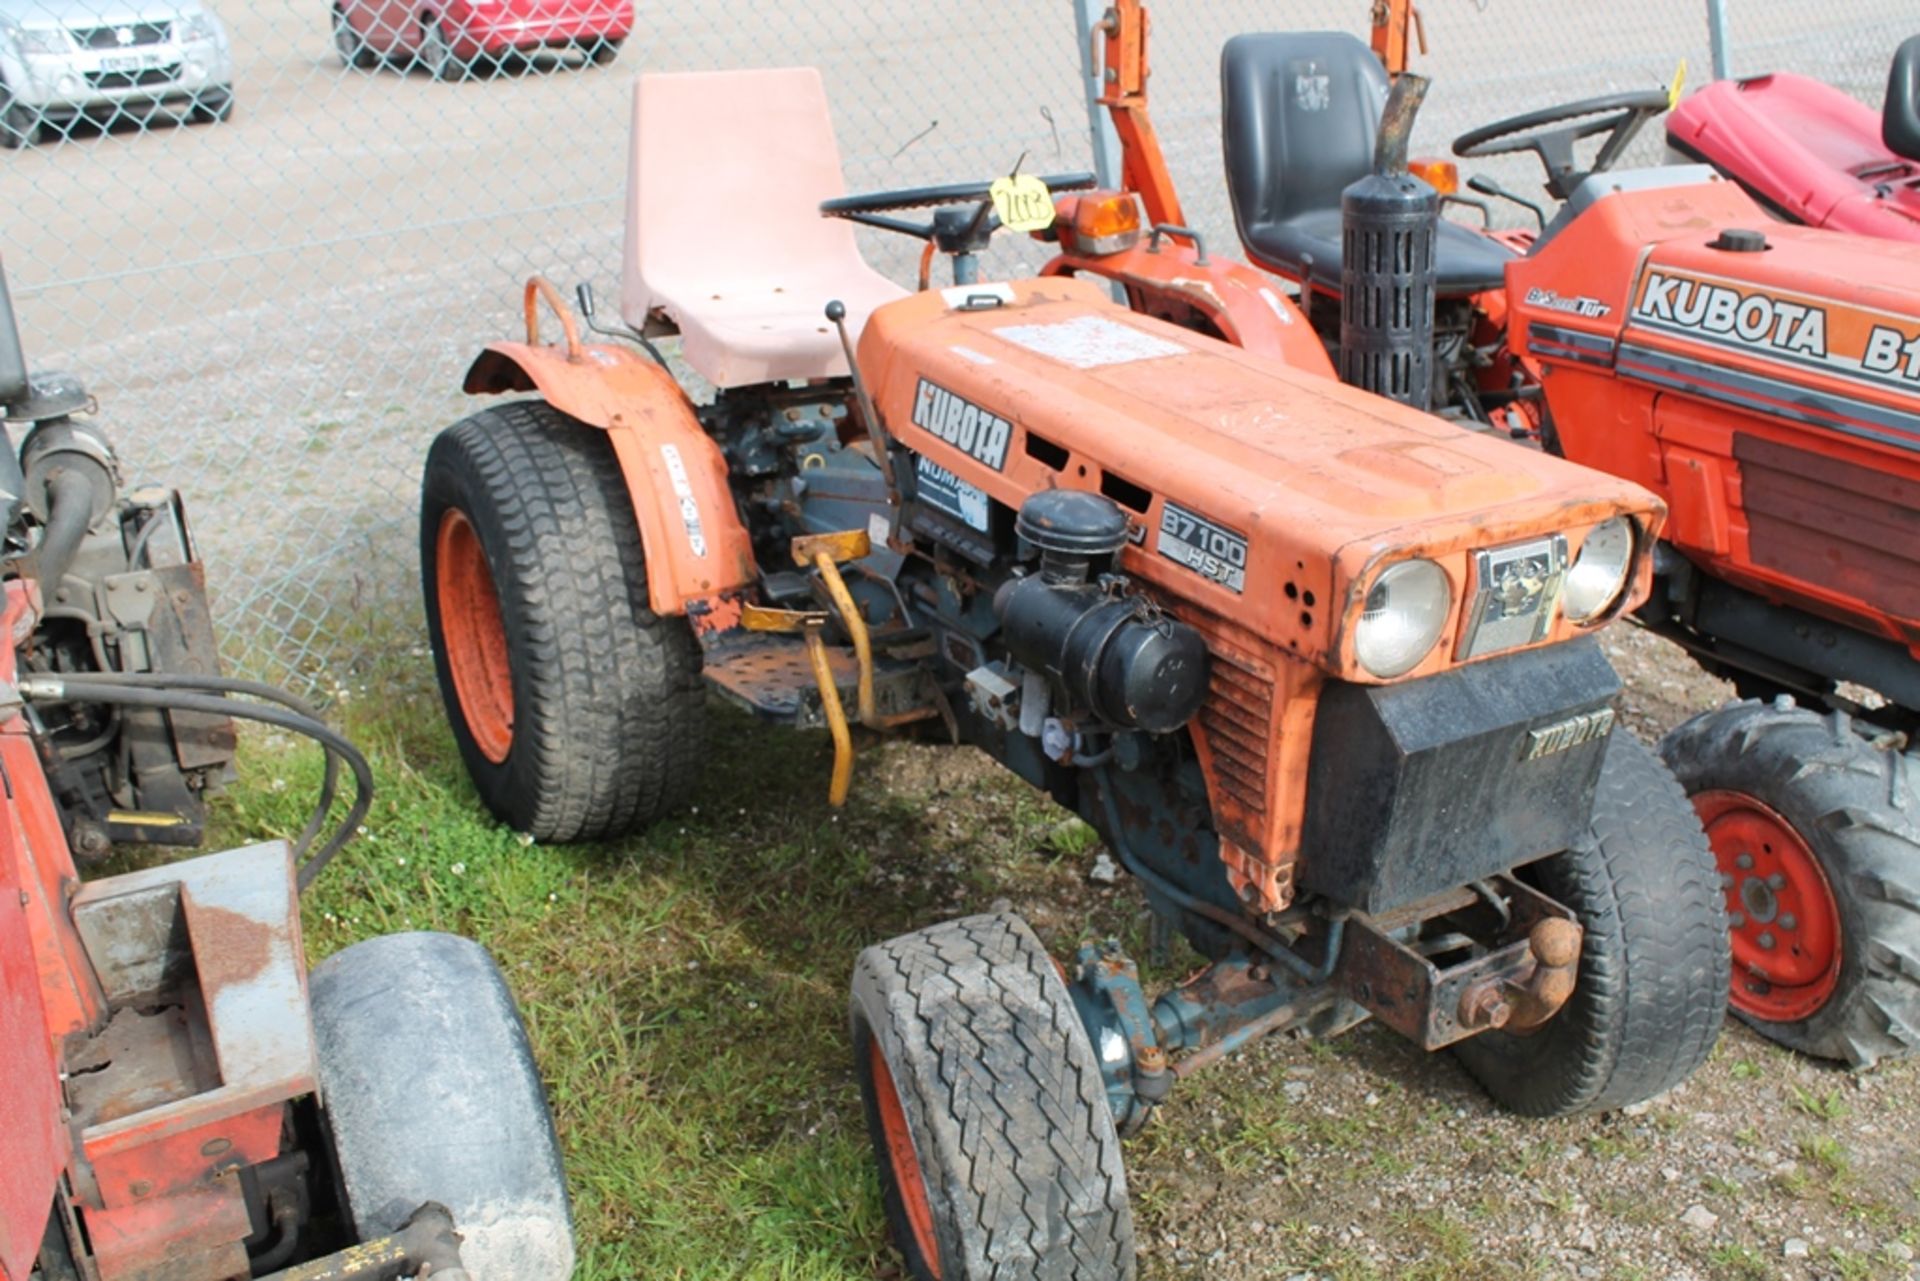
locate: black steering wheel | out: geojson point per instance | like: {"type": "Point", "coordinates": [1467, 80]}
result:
{"type": "Point", "coordinates": [953, 230]}
{"type": "Point", "coordinates": [1618, 115]}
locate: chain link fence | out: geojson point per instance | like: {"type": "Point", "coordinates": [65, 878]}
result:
{"type": "Point", "coordinates": [275, 294]}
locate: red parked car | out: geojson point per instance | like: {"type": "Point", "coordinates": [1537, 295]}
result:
{"type": "Point", "coordinates": [452, 38]}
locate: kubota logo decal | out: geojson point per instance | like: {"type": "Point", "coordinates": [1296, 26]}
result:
{"type": "Point", "coordinates": [962, 424]}
{"type": "Point", "coordinates": [1876, 347]}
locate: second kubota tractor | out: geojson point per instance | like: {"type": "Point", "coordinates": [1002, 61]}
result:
{"type": "Point", "coordinates": [1764, 379]}
{"type": "Point", "coordinates": [1319, 668]}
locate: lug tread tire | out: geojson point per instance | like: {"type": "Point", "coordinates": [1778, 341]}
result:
{"type": "Point", "coordinates": [1858, 808]}
{"type": "Point", "coordinates": [609, 708]}
{"type": "Point", "coordinates": [1000, 1085]}
{"type": "Point", "coordinates": [1651, 994]}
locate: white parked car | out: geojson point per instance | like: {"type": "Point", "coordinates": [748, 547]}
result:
{"type": "Point", "coordinates": [64, 59]}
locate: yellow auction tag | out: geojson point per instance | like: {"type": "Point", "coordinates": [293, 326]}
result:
{"type": "Point", "coordinates": [1023, 202]}
{"type": "Point", "coordinates": [1679, 83]}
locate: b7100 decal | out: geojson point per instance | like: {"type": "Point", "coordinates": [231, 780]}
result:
{"type": "Point", "coordinates": [1209, 550]}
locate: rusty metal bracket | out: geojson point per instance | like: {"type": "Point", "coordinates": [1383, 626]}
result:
{"type": "Point", "coordinates": [1521, 983]}
{"type": "Point", "coordinates": [425, 1246]}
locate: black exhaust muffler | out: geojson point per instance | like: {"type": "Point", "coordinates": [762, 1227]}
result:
{"type": "Point", "coordinates": [1390, 220]}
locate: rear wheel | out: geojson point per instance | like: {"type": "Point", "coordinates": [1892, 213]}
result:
{"type": "Point", "coordinates": [1651, 992]}
{"type": "Point", "coordinates": [988, 1115]}
{"type": "Point", "coordinates": [436, 55]}
{"type": "Point", "coordinates": [431, 1094]}
{"type": "Point", "coordinates": [1817, 835]}
{"type": "Point", "coordinates": [579, 711]}
{"type": "Point", "coordinates": [19, 123]}
{"type": "Point", "coordinates": [352, 47]}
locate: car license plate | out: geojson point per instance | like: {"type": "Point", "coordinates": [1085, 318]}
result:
{"type": "Point", "coordinates": [134, 62]}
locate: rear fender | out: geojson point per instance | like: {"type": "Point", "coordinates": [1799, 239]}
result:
{"type": "Point", "coordinates": [1243, 305]}
{"type": "Point", "coordinates": [696, 547]}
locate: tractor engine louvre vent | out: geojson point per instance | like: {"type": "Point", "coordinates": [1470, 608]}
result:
{"type": "Point", "coordinates": [1832, 522]}
{"type": "Point", "coordinates": [1235, 719]}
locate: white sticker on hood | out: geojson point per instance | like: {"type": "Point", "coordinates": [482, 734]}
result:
{"type": "Point", "coordinates": [1089, 342]}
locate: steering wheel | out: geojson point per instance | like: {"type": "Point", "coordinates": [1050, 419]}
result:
{"type": "Point", "coordinates": [1618, 115]}
{"type": "Point", "coordinates": [957, 231]}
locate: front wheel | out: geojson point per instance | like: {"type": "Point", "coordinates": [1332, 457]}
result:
{"type": "Point", "coordinates": [602, 52]}
{"type": "Point", "coordinates": [987, 1111]}
{"type": "Point", "coordinates": [1651, 992]}
{"type": "Point", "coordinates": [579, 712]}
{"type": "Point", "coordinates": [1817, 833]}
{"type": "Point", "coordinates": [429, 1093]}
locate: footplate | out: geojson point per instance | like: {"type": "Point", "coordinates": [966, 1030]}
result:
{"type": "Point", "coordinates": [770, 674]}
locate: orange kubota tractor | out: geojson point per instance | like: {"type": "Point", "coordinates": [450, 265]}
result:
{"type": "Point", "coordinates": [1764, 379]}
{"type": "Point", "coordinates": [182, 1101]}
{"type": "Point", "coordinates": [1318, 667]}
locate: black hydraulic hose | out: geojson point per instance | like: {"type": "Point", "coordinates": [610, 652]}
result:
{"type": "Point", "coordinates": [330, 778]}
{"type": "Point", "coordinates": [152, 690]}
{"type": "Point", "coordinates": [69, 512]}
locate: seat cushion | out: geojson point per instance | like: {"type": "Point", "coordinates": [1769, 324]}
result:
{"type": "Point", "coordinates": [761, 332]}
{"type": "Point", "coordinates": [1466, 262]}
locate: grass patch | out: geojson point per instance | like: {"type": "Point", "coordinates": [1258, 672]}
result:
{"type": "Point", "coordinates": [685, 990]}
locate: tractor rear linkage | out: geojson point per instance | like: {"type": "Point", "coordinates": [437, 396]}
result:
{"type": "Point", "coordinates": [1519, 982]}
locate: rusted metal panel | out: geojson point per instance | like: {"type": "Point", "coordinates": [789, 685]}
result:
{"type": "Point", "coordinates": [192, 1237]}
{"type": "Point", "coordinates": [32, 1142]}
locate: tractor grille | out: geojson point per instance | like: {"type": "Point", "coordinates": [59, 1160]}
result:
{"type": "Point", "coordinates": [1235, 719]}
{"type": "Point", "coordinates": [134, 79]}
{"type": "Point", "coordinates": [1845, 527]}
{"type": "Point", "coordinates": [110, 37]}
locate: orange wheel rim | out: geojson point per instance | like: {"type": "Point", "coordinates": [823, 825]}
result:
{"type": "Point", "coordinates": [474, 636]}
{"type": "Point", "coordinates": [1784, 919]}
{"type": "Point", "coordinates": [903, 1160]}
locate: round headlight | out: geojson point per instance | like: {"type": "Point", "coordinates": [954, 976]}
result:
{"type": "Point", "coordinates": [1405, 612]}
{"type": "Point", "coordinates": [1599, 572]}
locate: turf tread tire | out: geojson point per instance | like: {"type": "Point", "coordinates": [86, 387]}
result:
{"type": "Point", "coordinates": [1651, 993]}
{"type": "Point", "coordinates": [1858, 808]}
{"type": "Point", "coordinates": [1005, 1102]}
{"type": "Point", "coordinates": [609, 708]}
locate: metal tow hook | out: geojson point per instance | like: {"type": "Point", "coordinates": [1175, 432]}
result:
{"type": "Point", "coordinates": [1535, 992]}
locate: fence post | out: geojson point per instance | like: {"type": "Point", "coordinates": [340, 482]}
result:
{"type": "Point", "coordinates": [1717, 34]}
{"type": "Point", "coordinates": [1087, 15]}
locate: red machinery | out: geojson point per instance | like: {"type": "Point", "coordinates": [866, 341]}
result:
{"type": "Point", "coordinates": [183, 1102]}
{"type": "Point", "coordinates": [1811, 153]}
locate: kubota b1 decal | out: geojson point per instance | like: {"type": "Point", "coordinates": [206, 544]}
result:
{"type": "Point", "coordinates": [962, 424]}
{"type": "Point", "coordinates": [1795, 333]}
{"type": "Point", "coordinates": [1881, 348]}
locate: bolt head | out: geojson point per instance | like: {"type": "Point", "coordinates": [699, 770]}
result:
{"type": "Point", "coordinates": [1736, 919]}
{"type": "Point", "coordinates": [1744, 862]}
{"type": "Point", "coordinates": [1766, 940]}
{"type": "Point", "coordinates": [1789, 922]}
{"type": "Point", "coordinates": [1777, 882]}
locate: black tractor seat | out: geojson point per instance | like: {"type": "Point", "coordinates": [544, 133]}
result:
{"type": "Point", "coordinates": [1300, 111]}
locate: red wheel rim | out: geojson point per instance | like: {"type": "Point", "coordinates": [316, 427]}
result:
{"type": "Point", "coordinates": [1784, 920]}
{"type": "Point", "coordinates": [474, 636]}
{"type": "Point", "coordinates": [903, 1160]}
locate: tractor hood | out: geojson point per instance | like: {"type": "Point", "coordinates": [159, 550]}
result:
{"type": "Point", "coordinates": [1259, 494]}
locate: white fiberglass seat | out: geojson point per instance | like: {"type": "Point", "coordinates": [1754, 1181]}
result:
{"type": "Point", "coordinates": [724, 234]}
